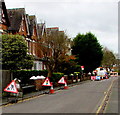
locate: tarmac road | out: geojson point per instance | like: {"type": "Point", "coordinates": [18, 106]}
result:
{"type": "Point", "coordinates": [83, 98]}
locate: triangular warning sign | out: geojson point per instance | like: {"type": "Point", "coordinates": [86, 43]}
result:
{"type": "Point", "coordinates": [62, 80]}
{"type": "Point", "coordinates": [47, 82]}
{"type": "Point", "coordinates": [11, 87]}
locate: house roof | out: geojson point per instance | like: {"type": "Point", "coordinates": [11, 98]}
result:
{"type": "Point", "coordinates": [28, 23]}
{"type": "Point", "coordinates": [52, 29]}
{"type": "Point", "coordinates": [15, 18]}
{"type": "Point", "coordinates": [3, 6]}
{"type": "Point", "coordinates": [41, 29]}
{"type": "Point", "coordinates": [32, 19]}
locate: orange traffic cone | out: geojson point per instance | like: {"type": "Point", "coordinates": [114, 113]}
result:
{"type": "Point", "coordinates": [101, 78]}
{"type": "Point", "coordinates": [52, 90]}
{"type": "Point", "coordinates": [106, 77]}
{"type": "Point", "coordinates": [65, 87]}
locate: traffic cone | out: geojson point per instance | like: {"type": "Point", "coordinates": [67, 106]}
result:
{"type": "Point", "coordinates": [101, 78]}
{"type": "Point", "coordinates": [106, 77]}
{"type": "Point", "coordinates": [52, 90]}
{"type": "Point", "coordinates": [65, 87]}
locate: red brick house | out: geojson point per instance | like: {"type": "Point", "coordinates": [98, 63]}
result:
{"type": "Point", "coordinates": [36, 35]}
{"type": "Point", "coordinates": [19, 24]}
{"type": "Point", "coordinates": [25, 25]}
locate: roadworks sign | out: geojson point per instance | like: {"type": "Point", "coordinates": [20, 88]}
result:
{"type": "Point", "coordinates": [93, 77]}
{"type": "Point", "coordinates": [62, 80]}
{"type": "Point", "coordinates": [47, 82]}
{"type": "Point", "coordinates": [11, 87]}
{"type": "Point", "coordinates": [97, 77]}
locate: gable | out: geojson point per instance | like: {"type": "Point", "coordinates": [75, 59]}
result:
{"type": "Point", "coordinates": [3, 14]}
{"type": "Point", "coordinates": [15, 18]}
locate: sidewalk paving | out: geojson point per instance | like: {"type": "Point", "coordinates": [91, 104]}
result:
{"type": "Point", "coordinates": [112, 106]}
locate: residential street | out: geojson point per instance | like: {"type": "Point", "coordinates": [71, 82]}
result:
{"type": "Point", "coordinates": [59, 57]}
{"type": "Point", "coordinates": [84, 98]}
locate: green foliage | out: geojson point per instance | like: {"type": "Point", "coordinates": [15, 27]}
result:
{"type": "Point", "coordinates": [68, 67]}
{"type": "Point", "coordinates": [59, 43]}
{"type": "Point", "coordinates": [76, 73]}
{"type": "Point", "coordinates": [24, 75]}
{"type": "Point", "coordinates": [56, 77]}
{"type": "Point", "coordinates": [108, 58]}
{"type": "Point", "coordinates": [14, 53]}
{"type": "Point", "coordinates": [88, 51]}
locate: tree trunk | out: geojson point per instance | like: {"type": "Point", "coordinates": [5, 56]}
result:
{"type": "Point", "coordinates": [50, 70]}
{"type": "Point", "coordinates": [49, 73]}
{"type": "Point", "coordinates": [49, 67]}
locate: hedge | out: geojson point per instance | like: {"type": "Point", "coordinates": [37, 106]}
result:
{"type": "Point", "coordinates": [24, 75]}
{"type": "Point", "coordinates": [56, 77]}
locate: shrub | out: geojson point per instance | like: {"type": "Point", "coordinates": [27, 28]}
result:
{"type": "Point", "coordinates": [56, 77]}
{"type": "Point", "coordinates": [24, 75]}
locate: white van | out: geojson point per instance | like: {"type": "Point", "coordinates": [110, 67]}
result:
{"type": "Point", "coordinates": [101, 72]}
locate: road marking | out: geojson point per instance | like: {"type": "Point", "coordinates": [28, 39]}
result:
{"type": "Point", "coordinates": [6, 105]}
{"type": "Point", "coordinates": [30, 98]}
{"type": "Point", "coordinates": [27, 99]}
{"type": "Point", "coordinates": [101, 105]}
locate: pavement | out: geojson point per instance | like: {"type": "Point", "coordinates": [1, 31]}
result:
{"type": "Point", "coordinates": [112, 105]}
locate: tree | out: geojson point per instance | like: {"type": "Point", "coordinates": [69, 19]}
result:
{"type": "Point", "coordinates": [109, 58]}
{"type": "Point", "coordinates": [14, 53]}
{"type": "Point", "coordinates": [56, 45]}
{"type": "Point", "coordinates": [69, 65]}
{"type": "Point", "coordinates": [88, 51]}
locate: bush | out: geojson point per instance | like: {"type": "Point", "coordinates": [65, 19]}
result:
{"type": "Point", "coordinates": [24, 75]}
{"type": "Point", "coordinates": [56, 77]}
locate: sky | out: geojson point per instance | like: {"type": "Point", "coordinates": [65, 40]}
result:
{"type": "Point", "coordinates": [76, 16]}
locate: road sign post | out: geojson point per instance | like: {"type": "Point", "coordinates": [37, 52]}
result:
{"type": "Point", "coordinates": [82, 68]}
{"type": "Point", "coordinates": [62, 81]}
{"type": "Point", "coordinates": [48, 83]}
{"type": "Point", "coordinates": [11, 87]}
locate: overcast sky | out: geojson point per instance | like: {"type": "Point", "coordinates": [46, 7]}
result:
{"type": "Point", "coordinates": [76, 16]}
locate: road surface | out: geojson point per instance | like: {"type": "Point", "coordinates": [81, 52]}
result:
{"type": "Point", "coordinates": [84, 98]}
